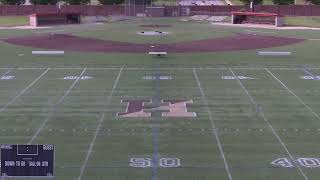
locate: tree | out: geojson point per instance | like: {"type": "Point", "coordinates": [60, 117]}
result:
{"type": "Point", "coordinates": [44, 2]}
{"type": "Point", "coordinates": [255, 2]}
{"type": "Point", "coordinates": [283, 2]}
{"type": "Point", "coordinates": [110, 2]}
{"type": "Point", "coordinates": [12, 2]}
{"type": "Point", "coordinates": [316, 2]}
{"type": "Point", "coordinates": [77, 2]}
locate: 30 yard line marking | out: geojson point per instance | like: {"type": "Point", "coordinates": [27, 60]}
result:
{"type": "Point", "coordinates": [24, 90]}
{"type": "Point", "coordinates": [254, 103]}
{"type": "Point", "coordinates": [99, 127]}
{"type": "Point", "coordinates": [290, 91]}
{"type": "Point", "coordinates": [53, 109]}
{"type": "Point", "coordinates": [204, 99]}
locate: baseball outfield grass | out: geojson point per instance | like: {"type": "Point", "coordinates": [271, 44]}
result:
{"type": "Point", "coordinates": [240, 116]}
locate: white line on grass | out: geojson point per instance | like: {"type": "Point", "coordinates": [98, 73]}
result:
{"type": "Point", "coordinates": [24, 90]}
{"type": "Point", "coordinates": [54, 107]}
{"type": "Point", "coordinates": [254, 103]}
{"type": "Point", "coordinates": [309, 73]}
{"type": "Point", "coordinates": [99, 127]}
{"type": "Point", "coordinates": [7, 72]}
{"type": "Point", "coordinates": [21, 93]}
{"type": "Point", "coordinates": [290, 91]}
{"type": "Point", "coordinates": [204, 99]}
{"type": "Point", "coordinates": [163, 68]}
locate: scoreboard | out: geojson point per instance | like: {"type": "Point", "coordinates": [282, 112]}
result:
{"type": "Point", "coordinates": [27, 160]}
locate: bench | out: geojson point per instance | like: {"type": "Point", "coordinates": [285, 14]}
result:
{"type": "Point", "coordinates": [257, 18]}
{"type": "Point", "coordinates": [158, 53]}
{"type": "Point", "coordinates": [44, 19]}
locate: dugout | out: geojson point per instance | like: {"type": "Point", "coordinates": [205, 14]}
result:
{"type": "Point", "coordinates": [257, 18]}
{"type": "Point", "coordinates": [54, 19]}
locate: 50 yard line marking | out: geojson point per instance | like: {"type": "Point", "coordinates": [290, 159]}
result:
{"type": "Point", "coordinates": [53, 109]}
{"type": "Point", "coordinates": [296, 96]}
{"type": "Point", "coordinates": [256, 106]}
{"type": "Point", "coordinates": [99, 127]}
{"type": "Point", "coordinates": [204, 99]}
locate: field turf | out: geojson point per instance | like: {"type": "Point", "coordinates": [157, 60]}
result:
{"type": "Point", "coordinates": [250, 110]}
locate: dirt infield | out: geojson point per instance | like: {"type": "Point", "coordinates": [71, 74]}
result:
{"type": "Point", "coordinates": [75, 43]}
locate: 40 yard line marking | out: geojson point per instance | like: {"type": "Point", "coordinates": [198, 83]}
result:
{"type": "Point", "coordinates": [204, 99]}
{"type": "Point", "coordinates": [260, 111]}
{"type": "Point", "coordinates": [52, 111]}
{"type": "Point", "coordinates": [24, 90]}
{"type": "Point", "coordinates": [296, 96]}
{"type": "Point", "coordinates": [98, 128]}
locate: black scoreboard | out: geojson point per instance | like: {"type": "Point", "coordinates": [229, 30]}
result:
{"type": "Point", "coordinates": [27, 160]}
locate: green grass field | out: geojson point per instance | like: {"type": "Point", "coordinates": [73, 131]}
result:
{"type": "Point", "coordinates": [250, 110]}
{"type": "Point", "coordinates": [14, 20]}
{"type": "Point", "coordinates": [303, 21]}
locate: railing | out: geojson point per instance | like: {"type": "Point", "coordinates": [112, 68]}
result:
{"type": "Point", "coordinates": [89, 10]}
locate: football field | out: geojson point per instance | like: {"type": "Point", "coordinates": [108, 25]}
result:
{"type": "Point", "coordinates": [247, 123]}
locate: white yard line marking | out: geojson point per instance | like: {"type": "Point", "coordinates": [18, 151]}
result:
{"type": "Point", "coordinates": [260, 111]}
{"type": "Point", "coordinates": [21, 93]}
{"type": "Point", "coordinates": [54, 108]}
{"type": "Point", "coordinates": [204, 99]}
{"type": "Point", "coordinates": [7, 72]}
{"type": "Point", "coordinates": [290, 91]}
{"type": "Point", "coordinates": [99, 127]}
{"type": "Point", "coordinates": [24, 90]}
{"type": "Point", "coordinates": [163, 68]}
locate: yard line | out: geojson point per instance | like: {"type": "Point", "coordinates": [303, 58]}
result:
{"type": "Point", "coordinates": [289, 90]}
{"type": "Point", "coordinates": [99, 127]}
{"type": "Point", "coordinates": [259, 109]}
{"type": "Point", "coordinates": [163, 68]}
{"type": "Point", "coordinates": [7, 72]}
{"type": "Point", "coordinates": [156, 128]}
{"type": "Point", "coordinates": [309, 73]}
{"type": "Point", "coordinates": [53, 109]}
{"type": "Point", "coordinates": [24, 90]}
{"type": "Point", "coordinates": [204, 99]}
{"type": "Point", "coordinates": [20, 94]}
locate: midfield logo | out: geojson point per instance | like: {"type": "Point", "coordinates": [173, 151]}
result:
{"type": "Point", "coordinates": [168, 108]}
